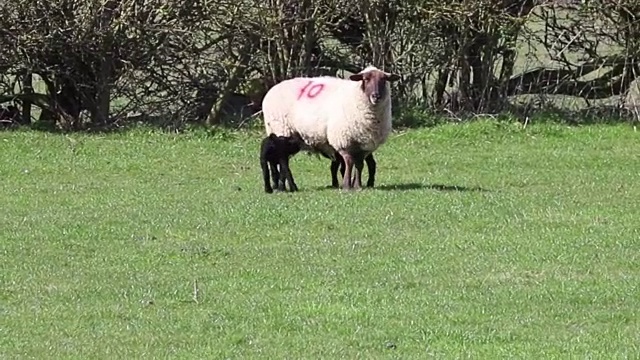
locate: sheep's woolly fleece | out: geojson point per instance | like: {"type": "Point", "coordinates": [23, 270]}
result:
{"type": "Point", "coordinates": [328, 112]}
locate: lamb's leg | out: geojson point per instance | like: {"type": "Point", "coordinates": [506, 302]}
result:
{"type": "Point", "coordinates": [265, 176]}
{"type": "Point", "coordinates": [275, 174]}
{"type": "Point", "coordinates": [286, 170]}
{"type": "Point", "coordinates": [283, 176]}
{"type": "Point", "coordinates": [371, 169]}
{"type": "Point", "coordinates": [348, 163]}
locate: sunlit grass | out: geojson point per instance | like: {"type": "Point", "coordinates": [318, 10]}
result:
{"type": "Point", "coordinates": [481, 240]}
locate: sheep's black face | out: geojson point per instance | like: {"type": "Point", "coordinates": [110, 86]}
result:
{"type": "Point", "coordinates": [374, 83]}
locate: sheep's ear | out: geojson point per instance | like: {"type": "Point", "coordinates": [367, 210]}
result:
{"type": "Point", "coordinates": [393, 77]}
{"type": "Point", "coordinates": [355, 77]}
{"type": "Point", "coordinates": [273, 136]}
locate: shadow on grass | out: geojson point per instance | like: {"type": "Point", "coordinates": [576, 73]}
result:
{"type": "Point", "coordinates": [418, 186]}
{"type": "Point", "coordinates": [414, 186]}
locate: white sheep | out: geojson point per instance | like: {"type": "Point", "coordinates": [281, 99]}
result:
{"type": "Point", "coordinates": [349, 116]}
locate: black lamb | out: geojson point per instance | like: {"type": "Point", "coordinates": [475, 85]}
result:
{"type": "Point", "coordinates": [276, 151]}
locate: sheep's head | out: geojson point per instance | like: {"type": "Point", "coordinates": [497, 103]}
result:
{"type": "Point", "coordinates": [374, 83]}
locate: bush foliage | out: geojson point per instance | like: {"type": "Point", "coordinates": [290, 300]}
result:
{"type": "Point", "coordinates": [72, 64]}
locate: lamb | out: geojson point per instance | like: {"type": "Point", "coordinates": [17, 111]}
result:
{"type": "Point", "coordinates": [276, 151]}
{"type": "Point", "coordinates": [350, 117]}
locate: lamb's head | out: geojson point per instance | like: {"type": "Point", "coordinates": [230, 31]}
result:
{"type": "Point", "coordinates": [374, 83]}
{"type": "Point", "coordinates": [289, 145]}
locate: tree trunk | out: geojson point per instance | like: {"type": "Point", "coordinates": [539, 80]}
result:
{"type": "Point", "coordinates": [439, 88]}
{"type": "Point", "coordinates": [231, 85]}
{"type": "Point", "coordinates": [204, 101]}
{"type": "Point", "coordinates": [103, 96]}
{"type": "Point", "coordinates": [105, 72]}
{"type": "Point", "coordinates": [27, 88]}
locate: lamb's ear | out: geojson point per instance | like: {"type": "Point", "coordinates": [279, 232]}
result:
{"type": "Point", "coordinates": [355, 77]}
{"type": "Point", "coordinates": [273, 136]}
{"type": "Point", "coordinates": [392, 77]}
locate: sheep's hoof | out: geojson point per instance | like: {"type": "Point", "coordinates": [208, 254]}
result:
{"type": "Point", "coordinates": [268, 190]}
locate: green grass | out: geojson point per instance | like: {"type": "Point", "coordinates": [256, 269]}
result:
{"type": "Point", "coordinates": [482, 240]}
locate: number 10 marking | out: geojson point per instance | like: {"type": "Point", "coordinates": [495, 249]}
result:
{"type": "Point", "coordinates": [314, 90]}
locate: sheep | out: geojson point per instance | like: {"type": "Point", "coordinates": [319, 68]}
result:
{"type": "Point", "coordinates": [350, 117]}
{"type": "Point", "coordinates": [276, 151]}
{"type": "Point", "coordinates": [369, 125]}
{"type": "Point", "coordinates": [259, 89]}
{"type": "Point", "coordinates": [338, 163]}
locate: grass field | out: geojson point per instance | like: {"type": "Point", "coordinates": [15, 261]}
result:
{"type": "Point", "coordinates": [482, 240]}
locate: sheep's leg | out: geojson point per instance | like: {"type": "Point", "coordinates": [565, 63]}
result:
{"type": "Point", "coordinates": [286, 170]}
{"type": "Point", "coordinates": [342, 166]}
{"type": "Point", "coordinates": [265, 175]}
{"type": "Point", "coordinates": [335, 164]}
{"type": "Point", "coordinates": [348, 164]}
{"type": "Point", "coordinates": [359, 164]}
{"type": "Point", "coordinates": [371, 168]}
